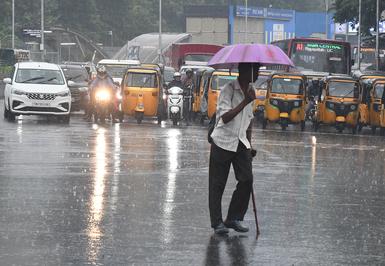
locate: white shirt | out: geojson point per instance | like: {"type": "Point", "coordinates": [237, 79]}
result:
{"type": "Point", "coordinates": [227, 136]}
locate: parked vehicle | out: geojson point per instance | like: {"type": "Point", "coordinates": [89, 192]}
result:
{"type": "Point", "coordinates": [286, 100]}
{"type": "Point", "coordinates": [37, 88]}
{"type": "Point", "coordinates": [79, 91]}
{"type": "Point", "coordinates": [338, 103]}
{"type": "Point", "coordinates": [175, 100]}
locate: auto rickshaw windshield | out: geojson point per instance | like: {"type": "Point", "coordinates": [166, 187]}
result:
{"type": "Point", "coordinates": [287, 86]}
{"type": "Point", "coordinates": [379, 91]}
{"type": "Point", "coordinates": [147, 80]}
{"type": "Point", "coordinates": [343, 89]}
{"type": "Point", "coordinates": [261, 82]}
{"type": "Point", "coordinates": [218, 82]}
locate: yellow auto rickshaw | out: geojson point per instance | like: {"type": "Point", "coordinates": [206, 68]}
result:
{"type": "Point", "coordinates": [199, 106]}
{"type": "Point", "coordinates": [142, 93]}
{"type": "Point", "coordinates": [260, 94]}
{"type": "Point", "coordinates": [216, 81]}
{"type": "Point", "coordinates": [338, 103]}
{"type": "Point", "coordinates": [285, 100]}
{"type": "Point", "coordinates": [366, 82]}
{"type": "Point", "coordinates": [371, 111]}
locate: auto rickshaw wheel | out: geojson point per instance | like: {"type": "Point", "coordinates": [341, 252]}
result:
{"type": "Point", "coordinates": [139, 117]}
{"type": "Point", "coordinates": [303, 125]}
{"type": "Point", "coordinates": [315, 126]}
{"type": "Point", "coordinates": [264, 123]}
{"type": "Point", "coordinates": [175, 121]}
{"type": "Point", "coordinates": [159, 117]}
{"type": "Point", "coordinates": [374, 130]}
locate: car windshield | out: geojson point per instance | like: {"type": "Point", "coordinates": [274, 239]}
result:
{"type": "Point", "coordinates": [40, 76]}
{"type": "Point", "coordinates": [147, 80]}
{"type": "Point", "coordinates": [379, 90]}
{"type": "Point", "coordinates": [343, 89]}
{"type": "Point", "coordinates": [287, 86]}
{"type": "Point", "coordinates": [116, 71]}
{"type": "Point", "coordinates": [218, 82]}
{"type": "Point", "coordinates": [75, 74]}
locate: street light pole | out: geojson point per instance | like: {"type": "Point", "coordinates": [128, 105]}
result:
{"type": "Point", "coordinates": [42, 30]}
{"type": "Point", "coordinates": [246, 29]}
{"type": "Point", "coordinates": [160, 32]}
{"type": "Point", "coordinates": [326, 18]}
{"type": "Point", "coordinates": [378, 34]}
{"type": "Point", "coordinates": [13, 24]}
{"type": "Point", "coordinates": [359, 34]}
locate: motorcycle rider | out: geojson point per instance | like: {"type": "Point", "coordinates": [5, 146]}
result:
{"type": "Point", "coordinates": [187, 91]}
{"type": "Point", "coordinates": [176, 82]}
{"type": "Point", "coordinates": [102, 80]}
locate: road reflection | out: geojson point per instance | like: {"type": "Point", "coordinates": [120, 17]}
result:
{"type": "Point", "coordinates": [173, 146]}
{"type": "Point", "coordinates": [235, 251]}
{"type": "Point", "coordinates": [96, 214]}
{"type": "Point", "coordinates": [117, 162]}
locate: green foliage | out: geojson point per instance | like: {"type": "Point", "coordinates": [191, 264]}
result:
{"type": "Point", "coordinates": [126, 18]}
{"type": "Point", "coordinates": [347, 10]}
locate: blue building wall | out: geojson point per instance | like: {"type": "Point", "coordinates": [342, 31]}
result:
{"type": "Point", "coordinates": [308, 23]}
{"type": "Point", "coordinates": [288, 29]}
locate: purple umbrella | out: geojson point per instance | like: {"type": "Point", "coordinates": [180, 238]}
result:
{"type": "Point", "coordinates": [265, 54]}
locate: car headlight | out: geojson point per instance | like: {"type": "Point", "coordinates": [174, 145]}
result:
{"type": "Point", "coordinates": [102, 95]}
{"type": "Point", "coordinates": [353, 107]}
{"type": "Point", "coordinates": [63, 94]}
{"type": "Point", "coordinates": [19, 92]}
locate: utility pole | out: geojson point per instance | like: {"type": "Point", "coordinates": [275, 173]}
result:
{"type": "Point", "coordinates": [13, 24]}
{"type": "Point", "coordinates": [42, 30]}
{"type": "Point", "coordinates": [359, 34]}
{"type": "Point", "coordinates": [378, 34]}
{"type": "Point", "coordinates": [160, 32]}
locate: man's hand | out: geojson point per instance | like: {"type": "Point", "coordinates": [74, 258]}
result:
{"type": "Point", "coordinates": [250, 95]}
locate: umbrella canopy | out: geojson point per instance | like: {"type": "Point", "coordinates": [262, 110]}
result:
{"type": "Point", "coordinates": [265, 54]}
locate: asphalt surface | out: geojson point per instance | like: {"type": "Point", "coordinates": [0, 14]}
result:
{"type": "Point", "coordinates": [123, 194]}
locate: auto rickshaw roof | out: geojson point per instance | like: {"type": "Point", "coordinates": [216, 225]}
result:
{"type": "Point", "coordinates": [368, 73]}
{"type": "Point", "coordinates": [142, 70]}
{"type": "Point", "coordinates": [339, 78]}
{"type": "Point", "coordinates": [288, 75]}
{"type": "Point", "coordinates": [379, 80]}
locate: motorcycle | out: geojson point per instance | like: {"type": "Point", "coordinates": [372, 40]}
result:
{"type": "Point", "coordinates": [175, 104]}
{"type": "Point", "coordinates": [105, 105]}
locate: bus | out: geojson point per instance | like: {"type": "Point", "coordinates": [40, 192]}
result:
{"type": "Point", "coordinates": [318, 55]}
{"type": "Point", "coordinates": [9, 57]}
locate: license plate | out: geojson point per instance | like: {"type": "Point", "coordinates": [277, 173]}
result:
{"type": "Point", "coordinates": [41, 104]}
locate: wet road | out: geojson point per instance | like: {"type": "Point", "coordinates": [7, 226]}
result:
{"type": "Point", "coordinates": [83, 194]}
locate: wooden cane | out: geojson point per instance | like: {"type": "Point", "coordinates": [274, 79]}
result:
{"type": "Point", "coordinates": [255, 211]}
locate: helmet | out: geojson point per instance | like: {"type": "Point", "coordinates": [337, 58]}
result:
{"type": "Point", "coordinates": [101, 69]}
{"type": "Point", "coordinates": [177, 75]}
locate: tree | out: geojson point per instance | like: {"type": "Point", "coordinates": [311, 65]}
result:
{"type": "Point", "coordinates": [347, 11]}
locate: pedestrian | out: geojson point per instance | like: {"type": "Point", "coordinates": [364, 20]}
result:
{"type": "Point", "coordinates": [231, 145]}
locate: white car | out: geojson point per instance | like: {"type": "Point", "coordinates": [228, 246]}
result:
{"type": "Point", "coordinates": [37, 89]}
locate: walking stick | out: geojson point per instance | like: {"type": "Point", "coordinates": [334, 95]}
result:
{"type": "Point", "coordinates": [255, 211]}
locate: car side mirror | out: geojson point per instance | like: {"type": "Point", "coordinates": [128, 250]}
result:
{"type": "Point", "coordinates": [7, 81]}
{"type": "Point", "coordinates": [71, 83]}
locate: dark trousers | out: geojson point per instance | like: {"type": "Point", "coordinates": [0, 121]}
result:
{"type": "Point", "coordinates": [220, 162]}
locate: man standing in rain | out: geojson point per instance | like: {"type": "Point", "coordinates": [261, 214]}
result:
{"type": "Point", "coordinates": [231, 145]}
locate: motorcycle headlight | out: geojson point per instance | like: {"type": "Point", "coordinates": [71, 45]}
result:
{"type": "Point", "coordinates": [353, 107]}
{"type": "Point", "coordinates": [63, 94]}
{"type": "Point", "coordinates": [102, 95]}
{"type": "Point", "coordinates": [19, 92]}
